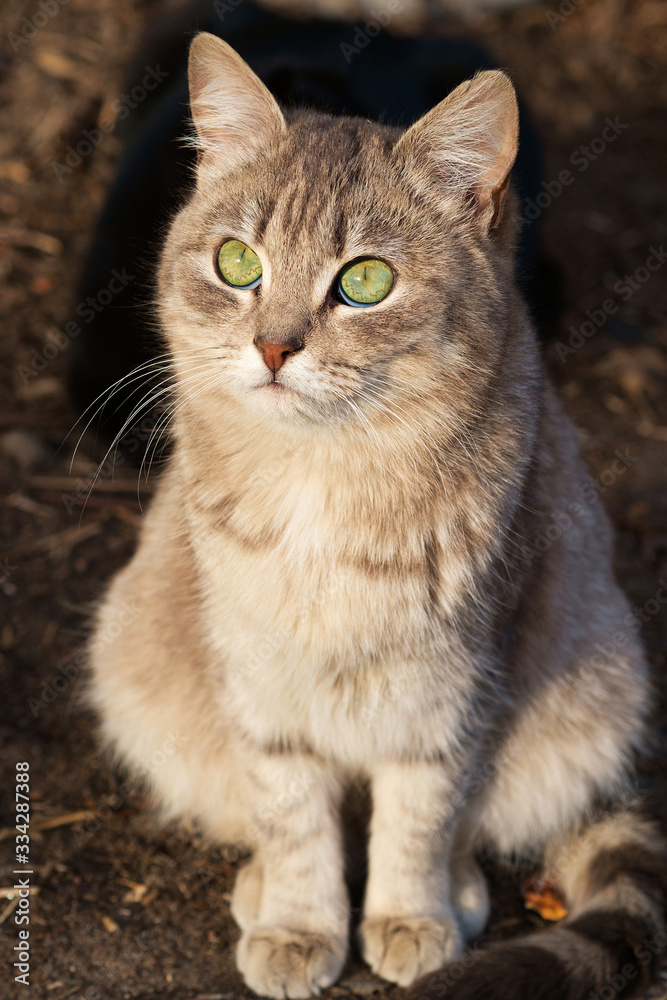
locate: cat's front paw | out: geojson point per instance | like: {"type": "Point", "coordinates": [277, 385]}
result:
{"type": "Point", "coordinates": [282, 963]}
{"type": "Point", "coordinates": [401, 949]}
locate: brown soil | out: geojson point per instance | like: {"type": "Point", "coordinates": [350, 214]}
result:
{"type": "Point", "coordinates": [125, 909]}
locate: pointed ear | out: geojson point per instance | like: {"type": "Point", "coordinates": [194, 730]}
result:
{"type": "Point", "coordinates": [469, 141]}
{"type": "Point", "coordinates": [234, 114]}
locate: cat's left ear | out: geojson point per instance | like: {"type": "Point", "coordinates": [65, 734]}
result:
{"type": "Point", "coordinates": [234, 114]}
{"type": "Point", "coordinates": [469, 142]}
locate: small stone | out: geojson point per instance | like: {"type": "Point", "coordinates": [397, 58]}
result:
{"type": "Point", "coordinates": [362, 983]}
{"type": "Point", "coordinates": [25, 449]}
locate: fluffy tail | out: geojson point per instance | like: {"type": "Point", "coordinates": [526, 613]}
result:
{"type": "Point", "coordinates": [614, 876]}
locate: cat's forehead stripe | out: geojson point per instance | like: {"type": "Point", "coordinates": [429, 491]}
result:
{"type": "Point", "coordinates": [266, 208]}
{"type": "Point", "coordinates": [339, 230]}
{"type": "Point", "coordinates": [310, 189]}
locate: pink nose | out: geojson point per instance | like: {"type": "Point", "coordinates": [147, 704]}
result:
{"type": "Point", "coordinates": [275, 355]}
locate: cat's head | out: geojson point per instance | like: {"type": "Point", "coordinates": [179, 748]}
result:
{"type": "Point", "coordinates": [327, 270]}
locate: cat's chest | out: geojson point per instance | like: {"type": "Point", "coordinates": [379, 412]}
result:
{"type": "Point", "coordinates": [392, 707]}
{"type": "Point", "coordinates": [298, 556]}
{"type": "Point", "coordinates": [322, 616]}
{"type": "Point", "coordinates": [314, 584]}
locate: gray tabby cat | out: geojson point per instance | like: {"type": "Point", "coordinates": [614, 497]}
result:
{"type": "Point", "coordinates": [340, 579]}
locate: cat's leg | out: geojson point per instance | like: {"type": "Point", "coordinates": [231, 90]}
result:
{"type": "Point", "coordinates": [469, 891]}
{"type": "Point", "coordinates": [292, 901]}
{"type": "Point", "coordinates": [470, 895]}
{"type": "Point", "coordinates": [409, 927]}
{"type": "Point", "coordinates": [247, 894]}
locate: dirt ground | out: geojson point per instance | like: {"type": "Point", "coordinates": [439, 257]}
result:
{"type": "Point", "coordinates": [121, 908]}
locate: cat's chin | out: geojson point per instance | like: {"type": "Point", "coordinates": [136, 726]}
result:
{"type": "Point", "coordinates": [276, 400]}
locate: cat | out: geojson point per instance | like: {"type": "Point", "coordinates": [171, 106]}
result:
{"type": "Point", "coordinates": [370, 560]}
{"type": "Point", "coordinates": [306, 63]}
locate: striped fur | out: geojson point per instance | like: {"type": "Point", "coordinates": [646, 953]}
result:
{"type": "Point", "coordinates": [612, 943]}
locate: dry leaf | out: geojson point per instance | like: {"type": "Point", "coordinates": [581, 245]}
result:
{"type": "Point", "coordinates": [540, 893]}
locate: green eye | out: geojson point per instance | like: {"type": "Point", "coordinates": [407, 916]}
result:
{"type": "Point", "coordinates": [365, 282]}
{"type": "Point", "coordinates": [239, 266]}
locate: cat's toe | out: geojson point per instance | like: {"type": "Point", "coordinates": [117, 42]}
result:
{"type": "Point", "coordinates": [401, 949]}
{"type": "Point", "coordinates": [289, 964]}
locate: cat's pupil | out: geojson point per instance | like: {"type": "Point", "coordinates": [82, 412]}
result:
{"type": "Point", "coordinates": [365, 282]}
{"type": "Point", "coordinates": [238, 265]}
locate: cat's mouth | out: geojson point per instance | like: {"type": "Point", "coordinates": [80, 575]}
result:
{"type": "Point", "coordinates": [277, 386]}
{"type": "Point", "coordinates": [279, 390]}
{"type": "Point", "coordinates": [279, 396]}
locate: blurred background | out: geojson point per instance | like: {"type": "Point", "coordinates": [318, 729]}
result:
{"type": "Point", "coordinates": [122, 908]}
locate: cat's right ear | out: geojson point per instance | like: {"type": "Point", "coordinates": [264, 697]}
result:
{"type": "Point", "coordinates": [234, 114]}
{"type": "Point", "coordinates": [467, 144]}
